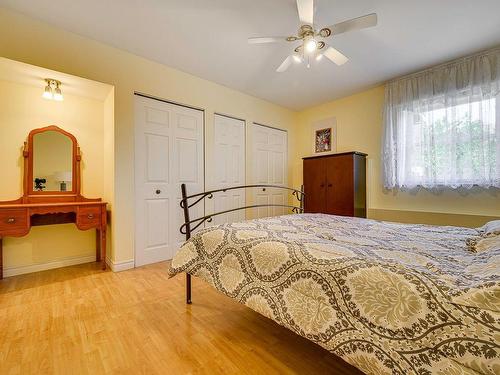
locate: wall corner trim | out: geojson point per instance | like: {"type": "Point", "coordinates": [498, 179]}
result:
{"type": "Point", "coordinates": [120, 266]}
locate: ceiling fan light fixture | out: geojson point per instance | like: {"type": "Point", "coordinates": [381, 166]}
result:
{"type": "Point", "coordinates": [311, 45]}
{"type": "Point", "coordinates": [311, 41]}
{"type": "Point", "coordinates": [325, 32]}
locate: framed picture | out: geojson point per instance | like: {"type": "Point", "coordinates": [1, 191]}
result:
{"type": "Point", "coordinates": [324, 136]}
{"type": "Point", "coordinates": [323, 140]}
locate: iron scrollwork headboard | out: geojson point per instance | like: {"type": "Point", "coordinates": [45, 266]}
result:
{"type": "Point", "coordinates": [186, 205]}
{"type": "Point", "coordinates": [190, 225]}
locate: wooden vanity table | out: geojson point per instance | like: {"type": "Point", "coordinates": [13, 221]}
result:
{"type": "Point", "coordinates": [49, 153]}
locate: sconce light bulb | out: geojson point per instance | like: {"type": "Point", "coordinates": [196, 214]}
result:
{"type": "Point", "coordinates": [47, 93]}
{"type": "Point", "coordinates": [58, 94]}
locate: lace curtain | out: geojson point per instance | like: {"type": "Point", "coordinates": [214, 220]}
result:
{"type": "Point", "coordinates": [442, 126]}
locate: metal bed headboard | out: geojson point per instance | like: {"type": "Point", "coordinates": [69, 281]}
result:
{"type": "Point", "coordinates": [191, 225]}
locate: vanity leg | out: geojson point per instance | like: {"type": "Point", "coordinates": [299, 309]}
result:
{"type": "Point", "coordinates": [103, 247]}
{"type": "Point", "coordinates": [100, 247]}
{"type": "Point", "coordinates": [97, 245]}
{"type": "Point", "coordinates": [1, 259]}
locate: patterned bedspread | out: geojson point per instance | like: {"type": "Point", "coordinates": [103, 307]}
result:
{"type": "Point", "coordinates": [388, 298]}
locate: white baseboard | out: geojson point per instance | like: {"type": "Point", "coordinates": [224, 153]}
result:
{"type": "Point", "coordinates": [120, 266]}
{"type": "Point", "coordinates": [64, 262]}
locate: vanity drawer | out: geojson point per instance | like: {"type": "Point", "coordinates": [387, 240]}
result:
{"type": "Point", "coordinates": [89, 217]}
{"type": "Point", "coordinates": [13, 221]}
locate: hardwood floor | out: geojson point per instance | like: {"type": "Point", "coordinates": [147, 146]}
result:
{"type": "Point", "coordinates": [81, 320]}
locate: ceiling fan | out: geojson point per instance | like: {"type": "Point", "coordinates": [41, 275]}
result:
{"type": "Point", "coordinates": [312, 41]}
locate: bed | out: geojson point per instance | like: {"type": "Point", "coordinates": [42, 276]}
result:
{"type": "Point", "coordinates": [388, 298]}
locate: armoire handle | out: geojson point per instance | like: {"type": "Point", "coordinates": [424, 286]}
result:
{"type": "Point", "coordinates": [322, 185]}
{"type": "Point", "coordinates": [330, 185]}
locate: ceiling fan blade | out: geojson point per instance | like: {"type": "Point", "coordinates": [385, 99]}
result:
{"type": "Point", "coordinates": [284, 65]}
{"type": "Point", "coordinates": [306, 11]}
{"type": "Point", "coordinates": [267, 39]}
{"type": "Point", "coordinates": [359, 23]}
{"type": "Point", "coordinates": [336, 56]}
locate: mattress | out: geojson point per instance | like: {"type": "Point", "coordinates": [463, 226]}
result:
{"type": "Point", "coordinates": [388, 298]}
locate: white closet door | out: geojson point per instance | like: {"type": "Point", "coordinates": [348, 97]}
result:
{"type": "Point", "coordinates": [269, 148]}
{"type": "Point", "coordinates": [229, 168]}
{"type": "Point", "coordinates": [168, 152]}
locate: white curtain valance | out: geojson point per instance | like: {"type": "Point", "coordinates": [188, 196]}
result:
{"type": "Point", "coordinates": [442, 126]}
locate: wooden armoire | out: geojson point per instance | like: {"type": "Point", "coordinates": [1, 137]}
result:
{"type": "Point", "coordinates": [336, 184]}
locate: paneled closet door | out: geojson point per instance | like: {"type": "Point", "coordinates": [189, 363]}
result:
{"type": "Point", "coordinates": [229, 168]}
{"type": "Point", "coordinates": [269, 166]}
{"type": "Point", "coordinates": [168, 152]}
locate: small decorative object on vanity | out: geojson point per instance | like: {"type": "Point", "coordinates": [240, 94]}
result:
{"type": "Point", "coordinates": [64, 178]}
{"type": "Point", "coordinates": [40, 184]}
{"type": "Point", "coordinates": [53, 197]}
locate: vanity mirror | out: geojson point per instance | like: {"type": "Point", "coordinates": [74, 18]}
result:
{"type": "Point", "coordinates": [53, 154]}
{"type": "Point", "coordinates": [51, 191]}
{"type": "Point", "coordinates": [51, 166]}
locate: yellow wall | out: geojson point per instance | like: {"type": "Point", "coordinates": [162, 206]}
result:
{"type": "Point", "coordinates": [39, 44]}
{"type": "Point", "coordinates": [22, 110]}
{"type": "Point", "coordinates": [359, 127]}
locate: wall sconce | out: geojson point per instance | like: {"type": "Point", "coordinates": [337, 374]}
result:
{"type": "Point", "coordinates": [53, 90]}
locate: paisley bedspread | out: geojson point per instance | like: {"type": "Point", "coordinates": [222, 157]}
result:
{"type": "Point", "coordinates": [388, 298]}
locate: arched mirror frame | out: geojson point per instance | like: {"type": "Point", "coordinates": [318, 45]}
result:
{"type": "Point", "coordinates": [28, 153]}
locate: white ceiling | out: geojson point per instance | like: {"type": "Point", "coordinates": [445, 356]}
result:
{"type": "Point", "coordinates": [207, 38]}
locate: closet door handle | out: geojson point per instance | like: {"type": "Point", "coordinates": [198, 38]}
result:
{"type": "Point", "coordinates": [322, 185]}
{"type": "Point", "coordinates": [330, 185]}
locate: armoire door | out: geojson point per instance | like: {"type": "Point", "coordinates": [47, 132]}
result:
{"type": "Point", "coordinates": [228, 169]}
{"type": "Point", "coordinates": [269, 166]}
{"type": "Point", "coordinates": [315, 185]}
{"type": "Point", "coordinates": [339, 185]}
{"type": "Point", "coordinates": [168, 152]}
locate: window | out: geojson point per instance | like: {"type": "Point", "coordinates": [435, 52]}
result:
{"type": "Point", "coordinates": [454, 146]}
{"type": "Point", "coordinates": [442, 127]}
